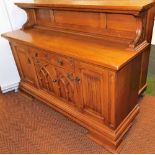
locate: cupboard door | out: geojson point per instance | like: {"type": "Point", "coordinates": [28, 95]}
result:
{"type": "Point", "coordinates": [94, 90]}
{"type": "Point", "coordinates": [47, 76]}
{"type": "Point", "coordinates": [55, 80]}
{"type": "Point", "coordinates": [66, 83]}
{"type": "Point", "coordinates": [25, 65]}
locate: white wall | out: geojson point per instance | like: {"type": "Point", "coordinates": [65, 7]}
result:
{"type": "Point", "coordinates": [16, 15]}
{"type": "Point", "coordinates": [11, 18]}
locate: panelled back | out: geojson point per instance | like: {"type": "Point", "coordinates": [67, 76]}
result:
{"type": "Point", "coordinates": [97, 23]}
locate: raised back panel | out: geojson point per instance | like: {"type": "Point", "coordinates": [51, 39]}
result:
{"type": "Point", "coordinates": [75, 19]}
{"type": "Point", "coordinates": [44, 17]}
{"type": "Point", "coordinates": [121, 22]}
{"type": "Point", "coordinates": [104, 24]}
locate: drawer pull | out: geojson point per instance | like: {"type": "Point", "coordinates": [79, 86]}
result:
{"type": "Point", "coordinates": [55, 81]}
{"type": "Point", "coordinates": [77, 79]}
{"type": "Point", "coordinates": [60, 62]}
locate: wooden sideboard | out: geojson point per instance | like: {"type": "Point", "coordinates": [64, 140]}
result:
{"type": "Point", "coordinates": [86, 59]}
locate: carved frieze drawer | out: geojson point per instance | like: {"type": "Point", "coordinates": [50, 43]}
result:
{"type": "Point", "coordinates": [55, 59]}
{"type": "Point", "coordinates": [63, 62]}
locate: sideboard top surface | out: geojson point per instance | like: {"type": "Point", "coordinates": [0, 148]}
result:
{"type": "Point", "coordinates": [93, 50]}
{"type": "Point", "coordinates": [124, 5]}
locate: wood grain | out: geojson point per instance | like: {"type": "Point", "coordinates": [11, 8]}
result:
{"type": "Point", "coordinates": [88, 61]}
{"type": "Point", "coordinates": [112, 5]}
{"type": "Point", "coordinates": [97, 51]}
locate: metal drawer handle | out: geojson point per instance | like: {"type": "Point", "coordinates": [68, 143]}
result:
{"type": "Point", "coordinates": [55, 81]}
{"type": "Point", "coordinates": [60, 62]}
{"type": "Point", "coordinates": [77, 79]}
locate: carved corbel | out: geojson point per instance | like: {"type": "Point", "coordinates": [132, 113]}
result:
{"type": "Point", "coordinates": [31, 19]}
{"type": "Point", "coordinates": [140, 32]}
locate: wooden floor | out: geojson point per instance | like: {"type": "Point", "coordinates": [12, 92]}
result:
{"type": "Point", "coordinates": [29, 126]}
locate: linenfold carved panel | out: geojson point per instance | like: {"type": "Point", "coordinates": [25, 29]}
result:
{"type": "Point", "coordinates": [95, 98]}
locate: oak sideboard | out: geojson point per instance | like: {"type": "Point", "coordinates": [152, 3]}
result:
{"type": "Point", "coordinates": [88, 59]}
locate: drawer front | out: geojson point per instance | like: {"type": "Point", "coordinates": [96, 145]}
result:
{"type": "Point", "coordinates": [41, 55]}
{"type": "Point", "coordinates": [63, 62]}
{"type": "Point", "coordinates": [55, 59]}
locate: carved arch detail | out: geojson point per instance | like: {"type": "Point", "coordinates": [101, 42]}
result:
{"type": "Point", "coordinates": [47, 78]}
{"type": "Point", "coordinates": [56, 80]}
{"type": "Point", "coordinates": [66, 86]}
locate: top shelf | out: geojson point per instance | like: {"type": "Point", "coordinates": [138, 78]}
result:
{"type": "Point", "coordinates": [123, 5]}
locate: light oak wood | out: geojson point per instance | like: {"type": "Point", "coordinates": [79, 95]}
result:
{"type": "Point", "coordinates": [93, 50]}
{"type": "Point", "coordinates": [114, 5]}
{"type": "Point", "coordinates": [89, 61]}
